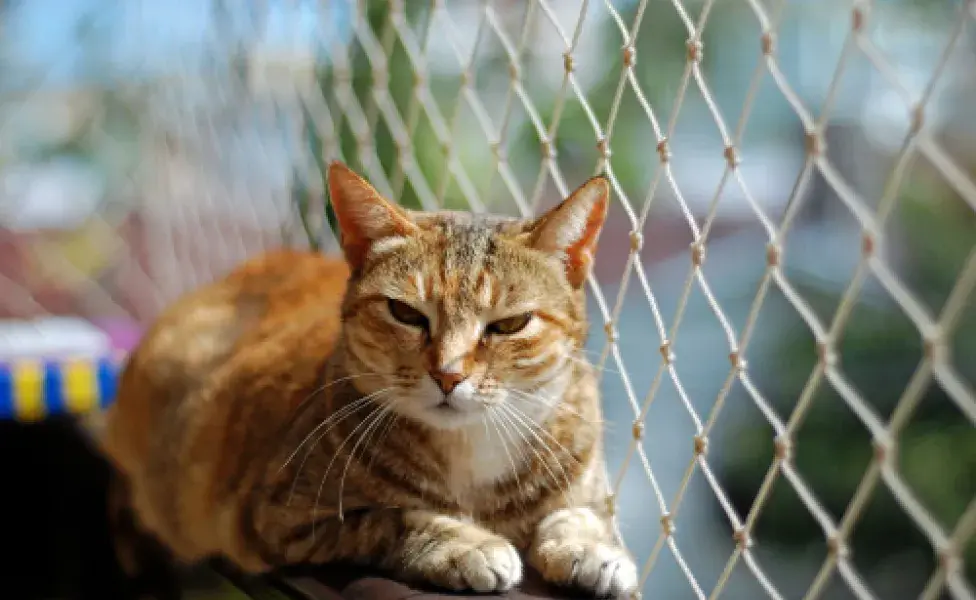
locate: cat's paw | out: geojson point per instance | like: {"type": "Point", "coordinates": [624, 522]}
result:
{"type": "Point", "coordinates": [603, 570]}
{"type": "Point", "coordinates": [488, 565]}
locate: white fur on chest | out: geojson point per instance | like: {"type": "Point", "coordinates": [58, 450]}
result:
{"type": "Point", "coordinates": [491, 456]}
{"type": "Point", "coordinates": [506, 441]}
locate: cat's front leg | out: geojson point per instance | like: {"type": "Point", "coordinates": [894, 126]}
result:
{"type": "Point", "coordinates": [455, 554]}
{"type": "Point", "coordinates": [417, 546]}
{"type": "Point", "coordinates": [574, 547]}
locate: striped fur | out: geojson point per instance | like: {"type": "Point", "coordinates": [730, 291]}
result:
{"type": "Point", "coordinates": [285, 415]}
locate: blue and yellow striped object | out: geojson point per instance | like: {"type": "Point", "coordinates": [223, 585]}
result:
{"type": "Point", "coordinates": [31, 390]}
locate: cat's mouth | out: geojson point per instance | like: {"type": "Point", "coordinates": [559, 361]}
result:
{"type": "Point", "coordinates": [446, 406]}
{"type": "Point", "coordinates": [451, 412]}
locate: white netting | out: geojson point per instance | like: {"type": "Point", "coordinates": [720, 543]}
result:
{"type": "Point", "coordinates": [505, 106]}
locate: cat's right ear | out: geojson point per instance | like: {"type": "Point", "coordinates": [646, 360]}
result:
{"type": "Point", "coordinates": [364, 216]}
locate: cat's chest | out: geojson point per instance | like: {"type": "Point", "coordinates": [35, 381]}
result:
{"type": "Point", "coordinates": [484, 457]}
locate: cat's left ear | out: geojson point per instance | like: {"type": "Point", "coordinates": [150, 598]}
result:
{"type": "Point", "coordinates": [571, 229]}
{"type": "Point", "coordinates": [364, 216]}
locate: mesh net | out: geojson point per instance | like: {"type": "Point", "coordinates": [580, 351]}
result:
{"type": "Point", "coordinates": [835, 210]}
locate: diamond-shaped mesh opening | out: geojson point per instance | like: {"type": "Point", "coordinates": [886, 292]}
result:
{"type": "Point", "coordinates": [927, 202]}
{"type": "Point", "coordinates": [907, 552]}
{"type": "Point", "coordinates": [778, 507]}
{"type": "Point", "coordinates": [781, 304]}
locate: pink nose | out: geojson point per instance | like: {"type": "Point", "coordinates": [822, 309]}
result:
{"type": "Point", "coordinates": [447, 381]}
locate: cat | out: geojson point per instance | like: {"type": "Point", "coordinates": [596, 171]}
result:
{"type": "Point", "coordinates": [420, 404]}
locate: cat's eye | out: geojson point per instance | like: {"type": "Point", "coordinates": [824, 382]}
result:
{"type": "Point", "coordinates": [407, 314]}
{"type": "Point", "coordinates": [509, 326]}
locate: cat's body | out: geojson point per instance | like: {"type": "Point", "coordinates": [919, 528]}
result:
{"type": "Point", "coordinates": [408, 420]}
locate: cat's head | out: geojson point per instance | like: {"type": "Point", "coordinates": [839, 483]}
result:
{"type": "Point", "coordinates": [449, 314]}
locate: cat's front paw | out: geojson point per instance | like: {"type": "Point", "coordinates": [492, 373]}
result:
{"type": "Point", "coordinates": [487, 565]}
{"type": "Point", "coordinates": [600, 569]}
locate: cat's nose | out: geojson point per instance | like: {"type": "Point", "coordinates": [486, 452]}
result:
{"type": "Point", "coordinates": [447, 380]}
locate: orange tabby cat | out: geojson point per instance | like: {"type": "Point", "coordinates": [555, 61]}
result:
{"type": "Point", "coordinates": [421, 406]}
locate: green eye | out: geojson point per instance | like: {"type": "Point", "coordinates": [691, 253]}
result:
{"type": "Point", "coordinates": [510, 325]}
{"type": "Point", "coordinates": [407, 314]}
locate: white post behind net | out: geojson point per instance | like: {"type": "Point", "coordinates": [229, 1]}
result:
{"type": "Point", "coordinates": [218, 145]}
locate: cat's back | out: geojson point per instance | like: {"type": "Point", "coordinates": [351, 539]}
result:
{"type": "Point", "coordinates": [261, 299]}
{"type": "Point", "coordinates": [260, 321]}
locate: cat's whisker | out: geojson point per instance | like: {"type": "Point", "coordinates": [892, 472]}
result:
{"type": "Point", "coordinates": [329, 384]}
{"type": "Point", "coordinates": [587, 363]}
{"type": "Point", "coordinates": [333, 420]}
{"type": "Point", "coordinates": [335, 417]}
{"type": "Point", "coordinates": [553, 405]}
{"type": "Point", "coordinates": [495, 423]}
{"type": "Point", "coordinates": [364, 423]}
{"type": "Point", "coordinates": [339, 380]}
{"type": "Point", "coordinates": [585, 350]}
{"type": "Point", "coordinates": [591, 357]}
{"type": "Point", "coordinates": [532, 423]}
{"type": "Point", "coordinates": [533, 428]}
{"type": "Point", "coordinates": [359, 404]}
{"type": "Point", "coordinates": [391, 422]}
{"type": "Point", "coordinates": [512, 430]}
{"type": "Point", "coordinates": [364, 438]}
{"type": "Point", "coordinates": [558, 405]}
{"type": "Point", "coordinates": [563, 485]}
{"type": "Point", "coordinates": [519, 426]}
{"type": "Point", "coordinates": [548, 403]}
{"type": "Point", "coordinates": [311, 447]}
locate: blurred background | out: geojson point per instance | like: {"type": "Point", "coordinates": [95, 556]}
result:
{"type": "Point", "coordinates": [147, 146]}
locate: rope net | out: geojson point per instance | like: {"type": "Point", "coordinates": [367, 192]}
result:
{"type": "Point", "coordinates": [212, 154]}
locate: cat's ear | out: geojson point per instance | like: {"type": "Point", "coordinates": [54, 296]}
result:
{"type": "Point", "coordinates": [363, 215]}
{"type": "Point", "coordinates": [570, 230]}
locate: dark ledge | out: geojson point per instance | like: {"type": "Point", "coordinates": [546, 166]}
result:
{"type": "Point", "coordinates": [344, 582]}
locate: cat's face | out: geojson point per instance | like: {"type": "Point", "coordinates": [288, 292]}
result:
{"type": "Point", "coordinates": [450, 315]}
